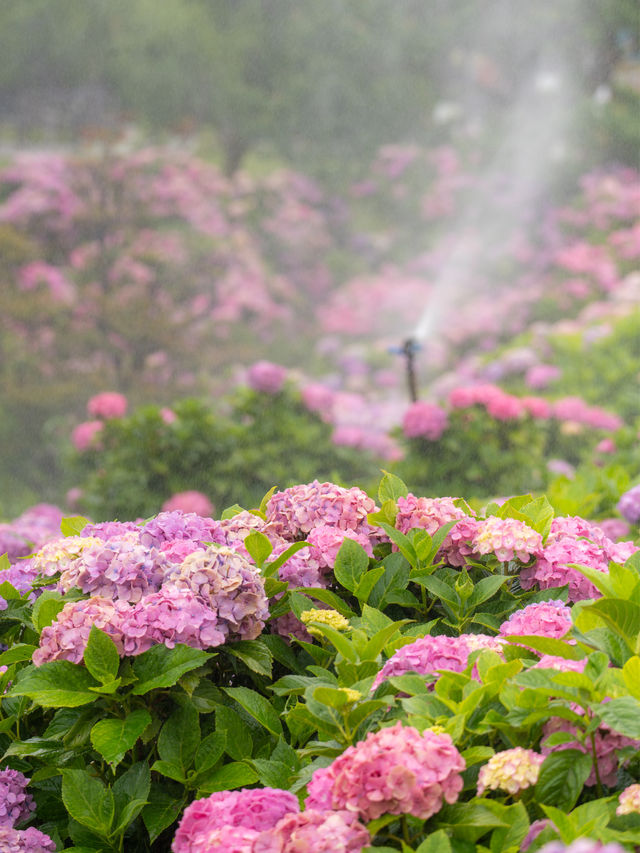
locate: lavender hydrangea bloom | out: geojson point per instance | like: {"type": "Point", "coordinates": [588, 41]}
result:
{"type": "Point", "coordinates": [16, 805]}
{"type": "Point", "coordinates": [120, 568]}
{"type": "Point", "coordinates": [629, 505]}
{"type": "Point", "coordinates": [169, 526]}
{"type": "Point", "coordinates": [230, 585]}
{"type": "Point", "coordinates": [29, 840]}
{"type": "Point", "coordinates": [109, 529]}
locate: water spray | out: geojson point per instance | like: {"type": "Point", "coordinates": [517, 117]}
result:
{"type": "Point", "coordinates": [409, 349]}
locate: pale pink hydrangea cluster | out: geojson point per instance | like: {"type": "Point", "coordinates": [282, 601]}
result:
{"type": "Point", "coordinates": [30, 531]}
{"type": "Point", "coordinates": [314, 831]}
{"type": "Point", "coordinates": [424, 420]}
{"type": "Point", "coordinates": [62, 554]}
{"type": "Point", "coordinates": [85, 435]}
{"type": "Point", "coordinates": [458, 544]}
{"type": "Point", "coordinates": [175, 524]}
{"type": "Point", "coordinates": [29, 840]}
{"type": "Point", "coordinates": [428, 655]}
{"type": "Point", "coordinates": [107, 404]}
{"type": "Point", "coordinates": [227, 583]}
{"type": "Point", "coordinates": [395, 770]}
{"type": "Point", "coordinates": [544, 619]}
{"type": "Point", "coordinates": [67, 637]}
{"type": "Point", "coordinates": [511, 770]}
{"type": "Point", "coordinates": [573, 540]}
{"type": "Point", "coordinates": [253, 810]}
{"type": "Point", "coordinates": [121, 568]}
{"type": "Point", "coordinates": [427, 513]}
{"type": "Point", "coordinates": [327, 540]}
{"type": "Point", "coordinates": [560, 664]}
{"type": "Point", "coordinates": [16, 805]}
{"type": "Point", "coordinates": [629, 800]}
{"type": "Point", "coordinates": [582, 845]}
{"type": "Point", "coordinates": [607, 743]}
{"type": "Point", "coordinates": [106, 530]}
{"type": "Point", "coordinates": [507, 538]}
{"type": "Point", "coordinates": [296, 511]}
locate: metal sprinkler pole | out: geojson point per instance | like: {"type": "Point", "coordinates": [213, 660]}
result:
{"type": "Point", "coordinates": [409, 349]}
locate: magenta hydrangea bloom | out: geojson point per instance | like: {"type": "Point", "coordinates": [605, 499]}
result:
{"type": "Point", "coordinates": [67, 637]}
{"type": "Point", "coordinates": [108, 404]}
{"type": "Point", "coordinates": [552, 569]}
{"type": "Point", "coordinates": [396, 770]}
{"type": "Point", "coordinates": [120, 568]}
{"type": "Point", "coordinates": [266, 376]}
{"type": "Point", "coordinates": [29, 840]}
{"type": "Point", "coordinates": [544, 619]}
{"type": "Point", "coordinates": [607, 743]}
{"type": "Point", "coordinates": [16, 805]}
{"type": "Point", "coordinates": [169, 526]}
{"type": "Point", "coordinates": [296, 511]}
{"type": "Point", "coordinates": [458, 543]}
{"type": "Point", "coordinates": [427, 513]}
{"type": "Point", "coordinates": [85, 435]}
{"type": "Point", "coordinates": [254, 810]}
{"type": "Point", "coordinates": [507, 538]}
{"type": "Point", "coordinates": [230, 585]}
{"type": "Point", "coordinates": [314, 831]}
{"type": "Point", "coordinates": [424, 420]}
{"type": "Point", "coordinates": [428, 655]}
{"type": "Point", "coordinates": [171, 615]}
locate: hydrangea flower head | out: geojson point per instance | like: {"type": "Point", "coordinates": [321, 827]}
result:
{"type": "Point", "coordinates": [511, 770]}
{"type": "Point", "coordinates": [314, 831]}
{"type": "Point", "coordinates": [169, 526]}
{"type": "Point", "coordinates": [430, 654]}
{"type": "Point", "coordinates": [251, 809]}
{"type": "Point", "coordinates": [61, 554]}
{"type": "Point", "coordinates": [267, 377]}
{"type": "Point", "coordinates": [16, 805]}
{"type": "Point", "coordinates": [108, 404]}
{"type": "Point", "coordinates": [230, 585]}
{"type": "Point", "coordinates": [424, 420]}
{"type": "Point", "coordinates": [507, 538]}
{"type": "Point", "coordinates": [85, 435]}
{"type": "Point", "coordinates": [582, 845]}
{"type": "Point", "coordinates": [544, 619]}
{"type": "Point", "coordinates": [629, 505]}
{"type": "Point", "coordinates": [629, 800]}
{"type": "Point", "coordinates": [331, 618]}
{"type": "Point", "coordinates": [395, 770]}
{"type": "Point", "coordinates": [327, 540]}
{"type": "Point", "coordinates": [189, 501]}
{"type": "Point", "coordinates": [67, 637]}
{"type": "Point", "coordinates": [427, 513]}
{"type": "Point", "coordinates": [29, 840]}
{"type": "Point", "coordinates": [294, 512]}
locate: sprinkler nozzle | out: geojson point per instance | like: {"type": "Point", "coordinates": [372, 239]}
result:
{"type": "Point", "coordinates": [409, 349]}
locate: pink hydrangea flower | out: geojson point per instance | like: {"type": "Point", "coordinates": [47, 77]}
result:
{"type": "Point", "coordinates": [266, 377]}
{"type": "Point", "coordinates": [294, 512]}
{"type": "Point", "coordinates": [507, 538]}
{"type": "Point", "coordinates": [505, 407]}
{"type": "Point", "coordinates": [424, 420]}
{"type": "Point", "coordinates": [16, 805]}
{"type": "Point", "coordinates": [396, 770]}
{"type": "Point", "coordinates": [560, 664]}
{"type": "Point", "coordinates": [61, 554]}
{"type": "Point", "coordinates": [85, 435]}
{"type": "Point", "coordinates": [189, 502]}
{"type": "Point", "coordinates": [427, 513]}
{"type": "Point", "coordinates": [537, 407]}
{"type": "Point", "coordinates": [458, 544]}
{"type": "Point", "coordinates": [427, 655]}
{"type": "Point", "coordinates": [29, 840]}
{"type": "Point", "coordinates": [327, 540]}
{"type": "Point", "coordinates": [629, 800]}
{"type": "Point", "coordinates": [544, 619]}
{"type": "Point", "coordinates": [108, 404]}
{"type": "Point", "coordinates": [582, 845]}
{"type": "Point", "coordinates": [314, 831]}
{"type": "Point", "coordinates": [511, 770]}
{"type": "Point", "coordinates": [541, 375]}
{"type": "Point", "coordinates": [172, 525]}
{"type": "Point", "coordinates": [67, 637]}
{"type": "Point", "coordinates": [629, 505]}
{"type": "Point", "coordinates": [255, 810]}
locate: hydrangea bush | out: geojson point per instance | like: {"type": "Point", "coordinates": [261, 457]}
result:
{"type": "Point", "coordinates": [326, 672]}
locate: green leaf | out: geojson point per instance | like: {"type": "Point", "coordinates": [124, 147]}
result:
{"type": "Point", "coordinates": [254, 653]}
{"type": "Point", "coordinates": [59, 684]}
{"type": "Point", "coordinates": [622, 715]}
{"type": "Point", "coordinates": [46, 608]}
{"type": "Point", "coordinates": [540, 514]}
{"type": "Point", "coordinates": [131, 792]}
{"type": "Point", "coordinates": [351, 564]}
{"type": "Point", "coordinates": [231, 511]}
{"type": "Point", "coordinates": [101, 656]}
{"type": "Point", "coordinates": [547, 645]}
{"type": "Point", "coordinates": [258, 707]}
{"type": "Point", "coordinates": [562, 777]}
{"type": "Point", "coordinates": [437, 842]}
{"type": "Point", "coordinates": [269, 569]}
{"type": "Point", "coordinates": [391, 488]}
{"type": "Point", "coordinates": [484, 589]}
{"type": "Point", "coordinates": [9, 592]}
{"type": "Point", "coordinates": [259, 547]}
{"type": "Point", "coordinates": [162, 667]}
{"type": "Point", "coordinates": [209, 752]}
{"type": "Point", "coordinates": [403, 542]}
{"type": "Point", "coordinates": [229, 724]}
{"type": "Point", "coordinates": [113, 738]}
{"type": "Point", "coordinates": [161, 811]}
{"type": "Point", "coordinates": [274, 774]}
{"type": "Point", "coordinates": [17, 653]}
{"type": "Point", "coordinates": [630, 673]}
{"type": "Point", "coordinates": [367, 583]}
{"type": "Point", "coordinates": [229, 777]}
{"type": "Point", "coordinates": [180, 736]}
{"type": "Point", "coordinates": [394, 580]}
{"type": "Point", "coordinates": [88, 801]}
{"type": "Point", "coordinates": [73, 525]}
{"type": "Point", "coordinates": [265, 500]}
